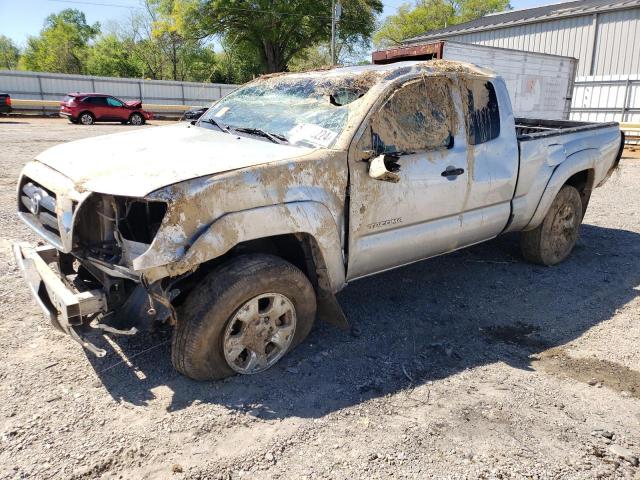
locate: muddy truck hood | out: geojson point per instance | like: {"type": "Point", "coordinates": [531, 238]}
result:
{"type": "Point", "coordinates": [138, 162]}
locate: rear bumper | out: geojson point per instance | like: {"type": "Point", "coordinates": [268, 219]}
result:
{"type": "Point", "coordinates": [62, 305]}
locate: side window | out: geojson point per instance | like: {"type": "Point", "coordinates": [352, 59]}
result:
{"type": "Point", "coordinates": [418, 116]}
{"type": "Point", "coordinates": [482, 111]}
{"type": "Point", "coordinates": [97, 101]}
{"type": "Point", "coordinates": [113, 102]}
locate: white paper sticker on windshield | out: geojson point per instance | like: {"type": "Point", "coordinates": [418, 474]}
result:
{"type": "Point", "coordinates": [314, 134]}
{"type": "Point", "coordinates": [222, 111]}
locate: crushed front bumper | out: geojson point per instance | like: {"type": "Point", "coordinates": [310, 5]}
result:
{"type": "Point", "coordinates": [65, 307]}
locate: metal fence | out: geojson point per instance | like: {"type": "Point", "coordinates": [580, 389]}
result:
{"type": "Point", "coordinates": [35, 91]}
{"type": "Point", "coordinates": [612, 98]}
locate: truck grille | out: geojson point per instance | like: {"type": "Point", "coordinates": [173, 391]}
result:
{"type": "Point", "coordinates": [40, 203]}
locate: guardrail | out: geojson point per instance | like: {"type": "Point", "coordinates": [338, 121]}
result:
{"type": "Point", "coordinates": [632, 133]}
{"type": "Point", "coordinates": [632, 130]}
{"type": "Point", "coordinates": [51, 107]}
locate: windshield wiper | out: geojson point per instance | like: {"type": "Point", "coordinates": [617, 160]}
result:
{"type": "Point", "coordinates": [274, 137]}
{"type": "Point", "coordinates": [215, 123]}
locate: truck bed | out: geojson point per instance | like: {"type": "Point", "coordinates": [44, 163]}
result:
{"type": "Point", "coordinates": [531, 128]}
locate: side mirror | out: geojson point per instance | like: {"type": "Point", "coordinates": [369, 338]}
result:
{"type": "Point", "coordinates": [379, 170]}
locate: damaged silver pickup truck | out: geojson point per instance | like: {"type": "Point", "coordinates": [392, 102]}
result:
{"type": "Point", "coordinates": [238, 229]}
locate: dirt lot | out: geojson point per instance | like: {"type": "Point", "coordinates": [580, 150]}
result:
{"type": "Point", "coordinates": [473, 365]}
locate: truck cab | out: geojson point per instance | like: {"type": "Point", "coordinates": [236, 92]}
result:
{"type": "Point", "coordinates": [463, 149]}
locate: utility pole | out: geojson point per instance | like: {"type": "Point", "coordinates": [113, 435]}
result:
{"type": "Point", "coordinates": [333, 32]}
{"type": "Point", "coordinates": [336, 12]}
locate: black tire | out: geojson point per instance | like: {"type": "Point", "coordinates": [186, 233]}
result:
{"type": "Point", "coordinates": [197, 346]}
{"type": "Point", "coordinates": [553, 240]}
{"type": "Point", "coordinates": [136, 119]}
{"type": "Point", "coordinates": [86, 118]}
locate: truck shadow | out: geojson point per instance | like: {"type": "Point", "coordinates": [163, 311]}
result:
{"type": "Point", "coordinates": [420, 323]}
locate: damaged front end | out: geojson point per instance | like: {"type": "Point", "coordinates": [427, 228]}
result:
{"type": "Point", "coordinates": [85, 279]}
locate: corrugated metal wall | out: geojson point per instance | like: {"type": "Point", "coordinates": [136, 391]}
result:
{"type": "Point", "coordinates": [54, 86]}
{"type": "Point", "coordinates": [604, 44]}
{"type": "Point", "coordinates": [571, 37]}
{"type": "Point", "coordinates": [617, 48]}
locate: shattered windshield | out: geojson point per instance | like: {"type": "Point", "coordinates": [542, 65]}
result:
{"type": "Point", "coordinates": [298, 110]}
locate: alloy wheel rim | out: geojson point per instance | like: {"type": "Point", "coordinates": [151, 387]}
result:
{"type": "Point", "coordinates": [564, 230]}
{"type": "Point", "coordinates": [136, 120]}
{"type": "Point", "coordinates": [259, 333]}
{"type": "Point", "coordinates": [86, 119]}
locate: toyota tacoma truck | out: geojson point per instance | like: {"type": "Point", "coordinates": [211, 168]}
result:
{"type": "Point", "coordinates": [238, 229]}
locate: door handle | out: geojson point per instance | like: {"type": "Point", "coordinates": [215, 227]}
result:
{"type": "Point", "coordinates": [452, 172]}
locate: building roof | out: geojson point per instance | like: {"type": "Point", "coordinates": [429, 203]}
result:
{"type": "Point", "coordinates": [529, 15]}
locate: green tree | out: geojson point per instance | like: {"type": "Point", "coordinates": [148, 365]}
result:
{"type": "Point", "coordinates": [471, 9]}
{"type": "Point", "coordinates": [113, 57]}
{"type": "Point", "coordinates": [278, 30]}
{"type": "Point", "coordinates": [425, 15]}
{"type": "Point", "coordinates": [236, 63]}
{"type": "Point", "coordinates": [319, 56]}
{"type": "Point", "coordinates": [9, 53]}
{"type": "Point", "coordinates": [196, 63]}
{"type": "Point", "coordinates": [75, 18]}
{"type": "Point", "coordinates": [155, 47]}
{"type": "Point", "coordinates": [166, 34]}
{"type": "Point", "coordinates": [146, 49]}
{"type": "Point", "coordinates": [311, 58]}
{"type": "Point", "coordinates": [63, 44]}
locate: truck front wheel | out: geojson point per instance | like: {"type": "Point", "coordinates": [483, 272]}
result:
{"type": "Point", "coordinates": [243, 318]}
{"type": "Point", "coordinates": [553, 240]}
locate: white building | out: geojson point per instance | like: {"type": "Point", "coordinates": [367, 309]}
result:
{"type": "Point", "coordinates": [604, 35]}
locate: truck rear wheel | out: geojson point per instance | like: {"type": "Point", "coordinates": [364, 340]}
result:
{"type": "Point", "coordinates": [243, 318]}
{"type": "Point", "coordinates": [553, 240]}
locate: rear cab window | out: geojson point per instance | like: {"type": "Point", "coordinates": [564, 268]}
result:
{"type": "Point", "coordinates": [482, 111]}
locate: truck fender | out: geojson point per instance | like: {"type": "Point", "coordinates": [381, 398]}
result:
{"type": "Point", "coordinates": [222, 235]}
{"type": "Point", "coordinates": [574, 163]}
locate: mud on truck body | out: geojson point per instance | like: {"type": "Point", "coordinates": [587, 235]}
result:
{"type": "Point", "coordinates": [238, 229]}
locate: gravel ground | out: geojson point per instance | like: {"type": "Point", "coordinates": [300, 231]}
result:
{"type": "Point", "coordinates": [472, 365]}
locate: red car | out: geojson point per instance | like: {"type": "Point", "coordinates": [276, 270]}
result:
{"type": "Point", "coordinates": [88, 108]}
{"type": "Point", "coordinates": [5, 103]}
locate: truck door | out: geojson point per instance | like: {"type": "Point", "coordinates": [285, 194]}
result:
{"type": "Point", "coordinates": [414, 212]}
{"type": "Point", "coordinates": [493, 159]}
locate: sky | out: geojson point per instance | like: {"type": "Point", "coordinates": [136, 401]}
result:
{"type": "Point", "coordinates": [21, 18]}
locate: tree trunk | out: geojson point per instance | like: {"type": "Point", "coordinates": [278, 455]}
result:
{"type": "Point", "coordinates": [174, 59]}
{"type": "Point", "coordinates": [272, 58]}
